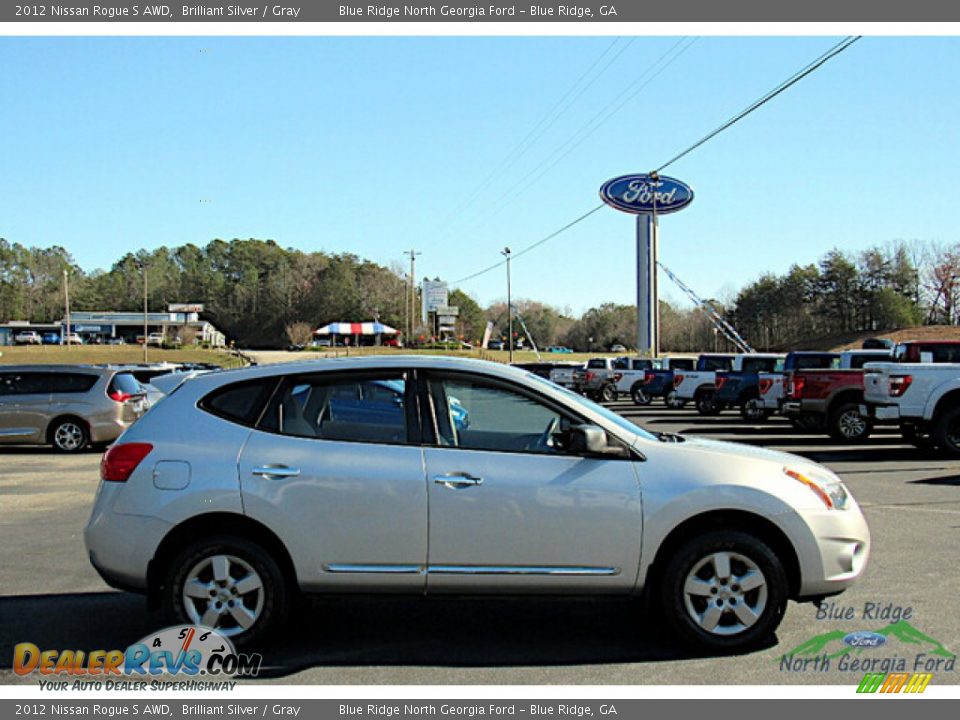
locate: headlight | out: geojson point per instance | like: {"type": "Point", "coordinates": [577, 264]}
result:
{"type": "Point", "coordinates": [823, 483]}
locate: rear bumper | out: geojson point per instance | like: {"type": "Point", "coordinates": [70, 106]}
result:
{"type": "Point", "coordinates": [881, 412]}
{"type": "Point", "coordinates": [796, 407]}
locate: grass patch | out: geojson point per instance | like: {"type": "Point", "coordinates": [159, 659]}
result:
{"type": "Point", "coordinates": [100, 354]}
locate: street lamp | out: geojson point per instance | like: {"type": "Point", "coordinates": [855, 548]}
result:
{"type": "Point", "coordinates": [506, 253]}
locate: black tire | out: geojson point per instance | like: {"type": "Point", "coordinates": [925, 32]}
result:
{"type": "Point", "coordinates": [638, 396]}
{"type": "Point", "coordinates": [608, 393]}
{"type": "Point", "coordinates": [847, 425]}
{"type": "Point", "coordinates": [68, 435]}
{"type": "Point", "coordinates": [921, 439]}
{"type": "Point", "coordinates": [707, 404]}
{"type": "Point", "coordinates": [752, 410]}
{"type": "Point", "coordinates": [679, 609]}
{"type": "Point", "coordinates": [946, 431]}
{"type": "Point", "coordinates": [276, 590]}
{"type": "Point", "coordinates": [673, 402]}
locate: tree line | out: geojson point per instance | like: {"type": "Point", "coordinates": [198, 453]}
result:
{"type": "Point", "coordinates": [263, 295]}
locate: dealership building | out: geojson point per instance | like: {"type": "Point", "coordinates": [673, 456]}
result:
{"type": "Point", "coordinates": [179, 321]}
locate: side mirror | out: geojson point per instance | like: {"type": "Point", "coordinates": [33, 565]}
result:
{"type": "Point", "coordinates": [592, 440]}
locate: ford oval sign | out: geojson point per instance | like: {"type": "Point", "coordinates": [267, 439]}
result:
{"type": "Point", "coordinates": [644, 194]}
{"type": "Point", "coordinates": [864, 639]}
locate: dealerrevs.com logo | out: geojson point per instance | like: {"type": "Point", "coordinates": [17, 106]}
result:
{"type": "Point", "coordinates": [183, 652]}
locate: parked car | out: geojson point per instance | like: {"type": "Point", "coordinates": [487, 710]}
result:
{"type": "Point", "coordinates": [699, 385]}
{"type": "Point", "coordinates": [156, 339]}
{"type": "Point", "coordinates": [922, 398]}
{"type": "Point", "coordinates": [658, 381]}
{"type": "Point", "coordinates": [597, 380]}
{"type": "Point", "coordinates": [495, 345]}
{"type": "Point", "coordinates": [832, 399]}
{"type": "Point", "coordinates": [771, 386]}
{"type": "Point", "coordinates": [72, 339]}
{"type": "Point", "coordinates": [559, 349]}
{"type": "Point", "coordinates": [629, 374]}
{"type": "Point", "coordinates": [562, 374]}
{"type": "Point", "coordinates": [51, 338]}
{"type": "Point", "coordinates": [244, 489]}
{"type": "Point", "coordinates": [740, 386]}
{"type": "Point", "coordinates": [67, 406]}
{"type": "Point", "coordinates": [27, 337]}
{"type": "Point", "coordinates": [617, 348]}
{"type": "Point", "coordinates": [116, 341]}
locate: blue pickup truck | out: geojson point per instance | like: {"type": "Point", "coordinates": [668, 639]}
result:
{"type": "Point", "coordinates": [658, 381]}
{"type": "Point", "coordinates": [740, 387]}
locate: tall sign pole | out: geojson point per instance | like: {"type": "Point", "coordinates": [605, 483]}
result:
{"type": "Point", "coordinates": [65, 335]}
{"type": "Point", "coordinates": [506, 253]}
{"type": "Point", "coordinates": [647, 196]}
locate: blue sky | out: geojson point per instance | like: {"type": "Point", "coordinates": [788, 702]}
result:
{"type": "Point", "coordinates": [375, 145]}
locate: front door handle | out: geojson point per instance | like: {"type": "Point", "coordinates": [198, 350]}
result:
{"type": "Point", "coordinates": [458, 480]}
{"type": "Point", "coordinates": [271, 472]}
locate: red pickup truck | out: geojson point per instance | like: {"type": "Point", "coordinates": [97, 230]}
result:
{"type": "Point", "coordinates": [831, 399]}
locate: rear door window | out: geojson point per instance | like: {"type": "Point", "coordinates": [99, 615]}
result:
{"type": "Point", "coordinates": [596, 364]}
{"type": "Point", "coordinates": [350, 408]}
{"type": "Point", "coordinates": [61, 383]}
{"type": "Point", "coordinates": [717, 363]}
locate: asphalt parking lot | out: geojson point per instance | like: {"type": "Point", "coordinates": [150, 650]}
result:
{"type": "Point", "coordinates": [49, 594]}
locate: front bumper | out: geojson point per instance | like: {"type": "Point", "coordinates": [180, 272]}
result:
{"type": "Point", "coordinates": [833, 547]}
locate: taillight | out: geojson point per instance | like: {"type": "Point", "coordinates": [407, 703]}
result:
{"type": "Point", "coordinates": [118, 396]}
{"type": "Point", "coordinates": [588, 377]}
{"type": "Point", "coordinates": [677, 379]}
{"type": "Point", "coordinates": [720, 382]}
{"type": "Point", "coordinates": [796, 387]}
{"type": "Point", "coordinates": [119, 462]}
{"type": "Point", "coordinates": [617, 376]}
{"type": "Point", "coordinates": [647, 379]}
{"type": "Point", "coordinates": [765, 385]}
{"type": "Point", "coordinates": [899, 384]}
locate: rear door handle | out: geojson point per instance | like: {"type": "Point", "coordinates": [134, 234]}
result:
{"type": "Point", "coordinates": [275, 471]}
{"type": "Point", "coordinates": [457, 480]}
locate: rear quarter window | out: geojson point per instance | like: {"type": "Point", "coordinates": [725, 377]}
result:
{"type": "Point", "coordinates": [241, 402]}
{"type": "Point", "coordinates": [125, 383]}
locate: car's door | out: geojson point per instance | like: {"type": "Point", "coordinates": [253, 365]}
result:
{"type": "Point", "coordinates": [341, 480]}
{"type": "Point", "coordinates": [511, 508]}
{"type": "Point", "coordinates": [24, 406]}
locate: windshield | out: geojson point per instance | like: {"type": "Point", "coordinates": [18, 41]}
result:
{"type": "Point", "coordinates": [607, 414]}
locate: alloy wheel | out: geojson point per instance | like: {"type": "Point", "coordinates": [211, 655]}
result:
{"type": "Point", "coordinates": [725, 593]}
{"type": "Point", "coordinates": [223, 592]}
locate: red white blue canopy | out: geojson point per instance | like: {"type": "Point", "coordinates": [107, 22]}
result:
{"type": "Point", "coordinates": [360, 328]}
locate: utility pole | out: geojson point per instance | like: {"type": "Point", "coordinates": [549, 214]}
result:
{"type": "Point", "coordinates": [65, 336]}
{"type": "Point", "coordinates": [146, 335]}
{"type": "Point", "coordinates": [412, 299]}
{"type": "Point", "coordinates": [506, 253]}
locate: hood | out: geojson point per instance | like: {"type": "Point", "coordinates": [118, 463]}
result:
{"type": "Point", "coordinates": [719, 447]}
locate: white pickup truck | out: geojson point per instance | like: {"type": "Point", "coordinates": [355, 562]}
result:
{"type": "Point", "coordinates": [629, 374]}
{"type": "Point", "coordinates": [699, 385]}
{"type": "Point", "coordinates": [923, 398]}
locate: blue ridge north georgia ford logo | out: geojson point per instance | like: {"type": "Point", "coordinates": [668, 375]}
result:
{"type": "Point", "coordinates": [644, 194]}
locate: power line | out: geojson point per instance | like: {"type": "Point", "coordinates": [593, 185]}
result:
{"type": "Point", "coordinates": [756, 104]}
{"type": "Point", "coordinates": [789, 82]}
{"type": "Point", "coordinates": [544, 124]}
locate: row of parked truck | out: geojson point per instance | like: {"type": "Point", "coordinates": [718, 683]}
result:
{"type": "Point", "coordinates": [915, 385]}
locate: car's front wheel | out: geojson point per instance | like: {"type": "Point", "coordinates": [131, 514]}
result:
{"type": "Point", "coordinates": [725, 591]}
{"type": "Point", "coordinates": [229, 584]}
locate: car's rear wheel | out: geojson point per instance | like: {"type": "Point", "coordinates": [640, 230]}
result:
{"type": "Point", "coordinates": [69, 435]}
{"type": "Point", "coordinates": [946, 431]}
{"type": "Point", "coordinates": [753, 410]}
{"type": "Point", "coordinates": [608, 393]}
{"type": "Point", "coordinates": [848, 425]}
{"type": "Point", "coordinates": [707, 403]}
{"type": "Point", "coordinates": [638, 396]}
{"type": "Point", "coordinates": [673, 401]}
{"type": "Point", "coordinates": [724, 590]}
{"type": "Point", "coordinates": [229, 584]}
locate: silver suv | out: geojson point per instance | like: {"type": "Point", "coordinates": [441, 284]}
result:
{"type": "Point", "coordinates": [67, 406]}
{"type": "Point", "coordinates": [428, 475]}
